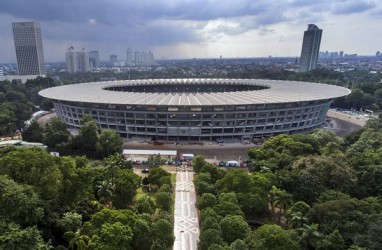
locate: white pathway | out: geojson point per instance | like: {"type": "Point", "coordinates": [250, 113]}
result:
{"type": "Point", "coordinates": [186, 225]}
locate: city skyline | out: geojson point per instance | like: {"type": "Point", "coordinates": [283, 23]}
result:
{"type": "Point", "coordinates": [173, 29]}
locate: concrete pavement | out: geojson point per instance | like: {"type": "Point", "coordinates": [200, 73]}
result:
{"type": "Point", "coordinates": [186, 223]}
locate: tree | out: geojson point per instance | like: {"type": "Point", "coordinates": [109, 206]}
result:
{"type": "Point", "coordinates": [309, 236]}
{"type": "Point", "coordinates": [209, 213]}
{"type": "Point", "coordinates": [156, 174]}
{"type": "Point", "coordinates": [105, 192]}
{"type": "Point", "coordinates": [155, 160]}
{"type": "Point", "coordinates": [19, 203]}
{"type": "Point", "coordinates": [228, 208]}
{"type": "Point", "coordinates": [163, 200]}
{"type": "Point", "coordinates": [77, 241]}
{"type": "Point", "coordinates": [210, 223]}
{"type": "Point", "coordinates": [207, 200]}
{"type": "Point", "coordinates": [371, 239]}
{"type": "Point", "coordinates": [35, 167]}
{"type": "Point", "coordinates": [297, 220]}
{"type": "Point", "coordinates": [71, 221]}
{"type": "Point", "coordinates": [347, 215]}
{"type": "Point", "coordinates": [283, 200]}
{"type": "Point", "coordinates": [197, 163]}
{"type": "Point", "coordinates": [272, 237]}
{"type": "Point", "coordinates": [142, 237]}
{"type": "Point", "coordinates": [161, 231]}
{"type": "Point", "coordinates": [113, 236]}
{"type": "Point", "coordinates": [332, 174]}
{"type": "Point", "coordinates": [253, 204]}
{"type": "Point", "coordinates": [14, 237]}
{"type": "Point", "coordinates": [236, 180]}
{"type": "Point", "coordinates": [55, 133]}
{"type": "Point", "coordinates": [109, 142]}
{"type": "Point", "coordinates": [125, 188]}
{"type": "Point", "coordinates": [209, 237]}
{"type": "Point", "coordinates": [333, 241]}
{"type": "Point", "coordinates": [88, 135]}
{"type": "Point", "coordinates": [33, 133]}
{"type": "Point", "coordinates": [234, 227]}
{"type": "Point", "coordinates": [145, 204]}
{"type": "Point", "coordinates": [238, 245]}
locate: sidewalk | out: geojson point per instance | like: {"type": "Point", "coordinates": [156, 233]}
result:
{"type": "Point", "coordinates": [186, 224]}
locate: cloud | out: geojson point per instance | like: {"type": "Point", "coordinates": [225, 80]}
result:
{"type": "Point", "coordinates": [354, 6]}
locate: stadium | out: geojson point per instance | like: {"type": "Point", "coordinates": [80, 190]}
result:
{"type": "Point", "coordinates": [194, 110]}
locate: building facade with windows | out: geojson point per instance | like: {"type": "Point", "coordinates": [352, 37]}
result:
{"type": "Point", "coordinates": [176, 110]}
{"type": "Point", "coordinates": [310, 48]}
{"type": "Point", "coordinates": [29, 50]}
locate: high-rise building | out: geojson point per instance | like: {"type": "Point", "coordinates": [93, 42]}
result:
{"type": "Point", "coordinates": [83, 61]}
{"type": "Point", "coordinates": [77, 61]}
{"type": "Point", "coordinates": [310, 48]}
{"type": "Point", "coordinates": [1, 75]}
{"type": "Point", "coordinates": [113, 59]}
{"type": "Point", "coordinates": [94, 59]}
{"type": "Point", "coordinates": [71, 61]}
{"type": "Point", "coordinates": [29, 49]}
{"type": "Point", "coordinates": [378, 54]}
{"type": "Point", "coordinates": [129, 57]}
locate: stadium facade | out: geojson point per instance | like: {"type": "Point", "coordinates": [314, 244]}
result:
{"type": "Point", "coordinates": [174, 110]}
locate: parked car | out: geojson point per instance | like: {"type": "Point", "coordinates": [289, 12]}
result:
{"type": "Point", "coordinates": [145, 171]}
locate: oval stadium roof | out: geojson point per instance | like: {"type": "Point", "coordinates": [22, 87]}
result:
{"type": "Point", "coordinates": [278, 92]}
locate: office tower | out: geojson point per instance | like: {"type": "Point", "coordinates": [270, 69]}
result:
{"type": "Point", "coordinates": [113, 59]}
{"type": "Point", "coordinates": [94, 59]}
{"type": "Point", "coordinates": [341, 54]}
{"type": "Point", "coordinates": [1, 75]}
{"type": "Point", "coordinates": [129, 57]}
{"type": "Point", "coordinates": [310, 48]}
{"type": "Point", "coordinates": [29, 50]}
{"type": "Point", "coordinates": [378, 54]}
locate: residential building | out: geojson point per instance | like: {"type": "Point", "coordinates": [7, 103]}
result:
{"type": "Point", "coordinates": [77, 61]}
{"type": "Point", "coordinates": [310, 48]}
{"type": "Point", "coordinates": [94, 59]}
{"type": "Point", "coordinates": [29, 49]}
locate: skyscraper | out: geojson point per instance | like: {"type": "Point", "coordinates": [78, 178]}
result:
{"type": "Point", "coordinates": [83, 61]}
{"type": "Point", "coordinates": [29, 50]}
{"type": "Point", "coordinates": [71, 61]}
{"type": "Point", "coordinates": [129, 57]}
{"type": "Point", "coordinates": [113, 59]}
{"type": "Point", "coordinates": [94, 59]}
{"type": "Point", "coordinates": [310, 48]}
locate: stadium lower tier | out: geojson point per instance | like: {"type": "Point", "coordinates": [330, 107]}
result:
{"type": "Point", "coordinates": [229, 123]}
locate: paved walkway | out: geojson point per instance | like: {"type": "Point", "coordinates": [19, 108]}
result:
{"type": "Point", "coordinates": [186, 225]}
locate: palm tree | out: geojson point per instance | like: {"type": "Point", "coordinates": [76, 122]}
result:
{"type": "Point", "coordinates": [77, 241]}
{"type": "Point", "coordinates": [297, 220]}
{"type": "Point", "coordinates": [309, 236]}
{"type": "Point", "coordinates": [282, 200]}
{"type": "Point", "coordinates": [272, 195]}
{"type": "Point", "coordinates": [105, 190]}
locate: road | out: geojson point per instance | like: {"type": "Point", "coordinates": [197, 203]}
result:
{"type": "Point", "coordinates": [186, 224]}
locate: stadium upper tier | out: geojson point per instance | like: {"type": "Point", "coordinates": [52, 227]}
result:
{"type": "Point", "coordinates": [194, 92]}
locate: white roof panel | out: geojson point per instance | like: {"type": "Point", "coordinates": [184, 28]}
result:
{"type": "Point", "coordinates": [277, 92]}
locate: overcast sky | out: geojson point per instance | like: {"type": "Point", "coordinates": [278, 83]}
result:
{"type": "Point", "coordinates": [194, 28]}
